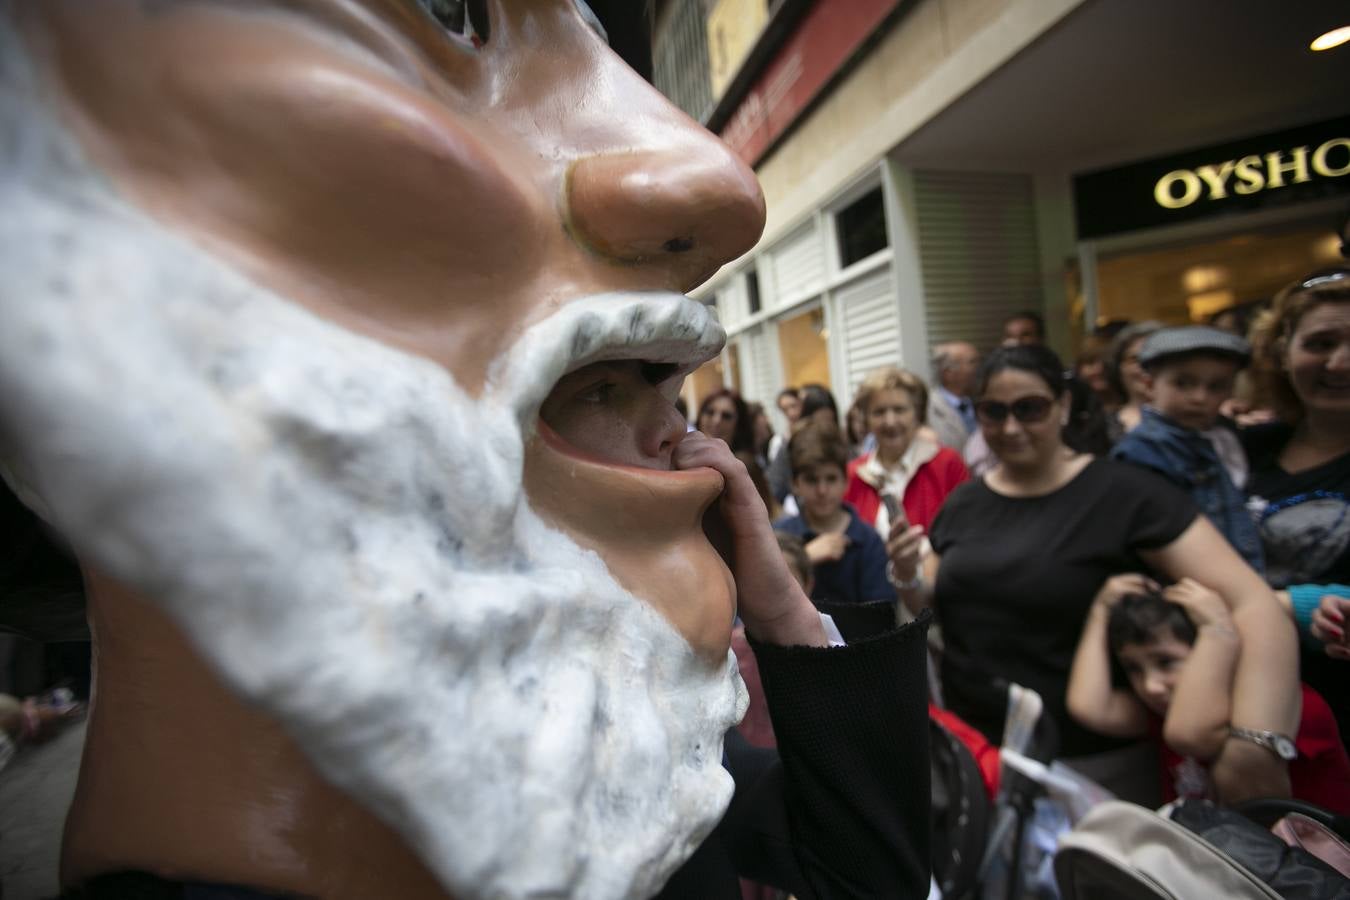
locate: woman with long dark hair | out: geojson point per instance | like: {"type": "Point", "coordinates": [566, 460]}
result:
{"type": "Point", "coordinates": [723, 414]}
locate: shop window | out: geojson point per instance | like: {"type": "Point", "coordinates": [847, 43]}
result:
{"type": "Point", "coordinates": [1197, 281]}
{"type": "Point", "coordinates": [752, 291]}
{"type": "Point", "coordinates": [861, 228]}
{"type": "Point", "coordinates": [804, 344]}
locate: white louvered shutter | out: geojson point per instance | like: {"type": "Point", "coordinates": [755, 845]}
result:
{"type": "Point", "coordinates": [731, 304]}
{"type": "Point", "coordinates": [978, 253]}
{"type": "Point", "coordinates": [798, 264]}
{"type": "Point", "coordinates": [759, 357]}
{"type": "Point", "coordinates": [870, 316]}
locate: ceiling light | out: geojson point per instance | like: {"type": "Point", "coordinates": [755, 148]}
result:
{"type": "Point", "coordinates": [1333, 38]}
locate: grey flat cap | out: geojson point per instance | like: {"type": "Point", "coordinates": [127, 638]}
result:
{"type": "Point", "coordinates": [1193, 339]}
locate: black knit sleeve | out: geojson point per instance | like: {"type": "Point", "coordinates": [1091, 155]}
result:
{"type": "Point", "coordinates": [845, 813]}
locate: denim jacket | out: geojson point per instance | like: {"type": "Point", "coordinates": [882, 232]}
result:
{"type": "Point", "coordinates": [1187, 459]}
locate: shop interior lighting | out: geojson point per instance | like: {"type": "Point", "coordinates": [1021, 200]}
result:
{"type": "Point", "coordinates": [1198, 279]}
{"type": "Point", "coordinates": [1327, 249]}
{"type": "Point", "coordinates": [1333, 38]}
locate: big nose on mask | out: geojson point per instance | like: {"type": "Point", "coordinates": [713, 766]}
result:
{"type": "Point", "coordinates": [691, 208]}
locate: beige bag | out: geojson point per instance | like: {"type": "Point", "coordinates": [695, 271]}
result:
{"type": "Point", "coordinates": [1120, 851]}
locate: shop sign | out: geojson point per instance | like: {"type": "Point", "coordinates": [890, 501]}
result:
{"type": "Point", "coordinates": [824, 41]}
{"type": "Point", "coordinates": [1285, 167]}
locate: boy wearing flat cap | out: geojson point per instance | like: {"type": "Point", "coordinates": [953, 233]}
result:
{"type": "Point", "coordinates": [1181, 436]}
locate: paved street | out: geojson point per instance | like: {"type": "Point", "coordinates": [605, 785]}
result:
{"type": "Point", "coordinates": [35, 791]}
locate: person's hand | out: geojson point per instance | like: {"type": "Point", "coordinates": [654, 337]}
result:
{"type": "Point", "coordinates": [1203, 606]}
{"type": "Point", "coordinates": [904, 548]}
{"type": "Point", "coordinates": [768, 598]}
{"type": "Point", "coordinates": [827, 548]}
{"type": "Point", "coordinates": [1244, 415]}
{"type": "Point", "coordinates": [1117, 586]}
{"type": "Point", "coordinates": [1328, 625]}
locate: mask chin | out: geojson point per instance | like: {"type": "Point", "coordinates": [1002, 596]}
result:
{"type": "Point", "coordinates": [647, 526]}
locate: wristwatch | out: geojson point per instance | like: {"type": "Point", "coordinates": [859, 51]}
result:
{"type": "Point", "coordinates": [1273, 741]}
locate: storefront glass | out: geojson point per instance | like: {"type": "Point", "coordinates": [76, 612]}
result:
{"type": "Point", "coordinates": [1195, 281]}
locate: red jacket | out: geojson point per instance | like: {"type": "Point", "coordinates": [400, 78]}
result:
{"type": "Point", "coordinates": [924, 493]}
{"type": "Point", "coordinates": [1320, 775]}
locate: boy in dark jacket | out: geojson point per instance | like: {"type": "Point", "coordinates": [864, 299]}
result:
{"type": "Point", "coordinates": [1181, 434]}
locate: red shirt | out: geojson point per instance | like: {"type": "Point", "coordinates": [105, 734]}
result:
{"type": "Point", "coordinates": [986, 754]}
{"type": "Point", "coordinates": [1320, 775]}
{"type": "Point", "coordinates": [924, 492]}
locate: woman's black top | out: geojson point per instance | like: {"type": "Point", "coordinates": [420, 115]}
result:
{"type": "Point", "coordinates": [1019, 574]}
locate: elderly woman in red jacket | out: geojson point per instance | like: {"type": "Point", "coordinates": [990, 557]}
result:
{"type": "Point", "coordinates": [908, 463]}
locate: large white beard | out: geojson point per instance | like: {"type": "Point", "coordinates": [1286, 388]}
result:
{"type": "Point", "coordinates": [341, 531]}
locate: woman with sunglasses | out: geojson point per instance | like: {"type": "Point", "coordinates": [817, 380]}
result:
{"type": "Point", "coordinates": [1021, 554]}
{"type": "Point", "coordinates": [1300, 466]}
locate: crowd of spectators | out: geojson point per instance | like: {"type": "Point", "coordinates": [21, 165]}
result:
{"type": "Point", "coordinates": [1137, 539]}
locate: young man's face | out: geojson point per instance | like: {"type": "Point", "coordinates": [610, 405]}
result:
{"type": "Point", "coordinates": [1190, 391]}
{"type": "Point", "coordinates": [790, 407]}
{"type": "Point", "coordinates": [613, 411]}
{"type": "Point", "coordinates": [821, 491]}
{"type": "Point", "coordinates": [1154, 668]}
{"type": "Point", "coordinates": [1020, 331]}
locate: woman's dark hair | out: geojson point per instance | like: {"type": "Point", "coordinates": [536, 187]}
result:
{"type": "Point", "coordinates": [743, 438]}
{"type": "Point", "coordinates": [816, 397]}
{"type": "Point", "coordinates": [1137, 618]}
{"type": "Point", "coordinates": [757, 411]}
{"type": "Point", "coordinates": [1034, 359]}
{"type": "Point", "coordinates": [1088, 430]}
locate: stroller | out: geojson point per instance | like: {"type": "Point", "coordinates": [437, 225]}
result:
{"type": "Point", "coordinates": [986, 800]}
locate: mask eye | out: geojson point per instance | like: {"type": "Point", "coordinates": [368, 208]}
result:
{"type": "Point", "coordinates": [466, 20]}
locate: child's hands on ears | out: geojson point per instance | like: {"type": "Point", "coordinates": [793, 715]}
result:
{"type": "Point", "coordinates": [1203, 606]}
{"type": "Point", "coordinates": [1118, 586]}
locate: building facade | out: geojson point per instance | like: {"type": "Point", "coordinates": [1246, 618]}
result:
{"type": "Point", "coordinates": [932, 166]}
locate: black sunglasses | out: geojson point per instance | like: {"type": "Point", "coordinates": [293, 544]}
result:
{"type": "Point", "coordinates": [1027, 410]}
